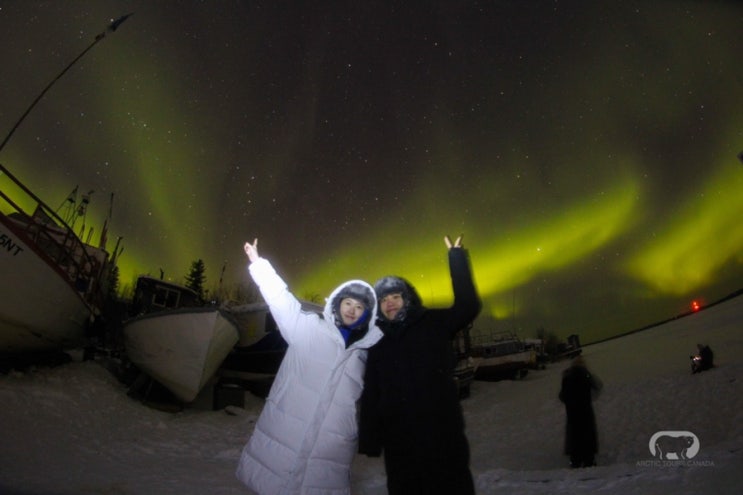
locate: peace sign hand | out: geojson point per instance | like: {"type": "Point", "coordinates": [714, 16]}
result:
{"type": "Point", "coordinates": [457, 243]}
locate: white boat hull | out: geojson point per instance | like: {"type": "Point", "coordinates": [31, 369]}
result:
{"type": "Point", "coordinates": [182, 349]}
{"type": "Point", "coordinates": [39, 309]}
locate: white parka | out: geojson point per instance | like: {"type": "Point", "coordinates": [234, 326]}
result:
{"type": "Point", "coordinates": [306, 436]}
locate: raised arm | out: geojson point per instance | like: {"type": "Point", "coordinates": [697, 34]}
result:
{"type": "Point", "coordinates": [285, 308]}
{"type": "Point", "coordinates": [467, 302]}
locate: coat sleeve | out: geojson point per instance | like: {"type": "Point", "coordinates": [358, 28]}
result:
{"type": "Point", "coordinates": [285, 308]}
{"type": "Point", "coordinates": [467, 302]}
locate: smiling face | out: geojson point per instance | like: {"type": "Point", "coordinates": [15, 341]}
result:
{"type": "Point", "coordinates": [350, 310]}
{"type": "Point", "coordinates": [391, 304]}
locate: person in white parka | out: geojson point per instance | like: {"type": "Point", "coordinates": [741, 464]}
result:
{"type": "Point", "coordinates": [307, 434]}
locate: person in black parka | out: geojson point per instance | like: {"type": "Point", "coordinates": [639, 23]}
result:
{"type": "Point", "coordinates": [579, 388]}
{"type": "Point", "coordinates": [410, 408]}
{"type": "Point", "coordinates": [704, 360]}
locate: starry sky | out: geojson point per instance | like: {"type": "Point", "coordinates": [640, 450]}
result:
{"type": "Point", "coordinates": [587, 150]}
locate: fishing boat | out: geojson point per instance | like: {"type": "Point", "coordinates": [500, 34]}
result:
{"type": "Point", "coordinates": [53, 283]}
{"type": "Point", "coordinates": [501, 355]}
{"type": "Point", "coordinates": [174, 339]}
{"type": "Point", "coordinates": [253, 363]}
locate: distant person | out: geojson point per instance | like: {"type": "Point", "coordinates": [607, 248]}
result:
{"type": "Point", "coordinates": [703, 360]}
{"type": "Point", "coordinates": [410, 408]}
{"type": "Point", "coordinates": [306, 436]}
{"type": "Point", "coordinates": [579, 388]}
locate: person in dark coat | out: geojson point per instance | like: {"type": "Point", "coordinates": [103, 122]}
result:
{"type": "Point", "coordinates": [579, 388]}
{"type": "Point", "coordinates": [704, 360]}
{"type": "Point", "coordinates": [410, 409]}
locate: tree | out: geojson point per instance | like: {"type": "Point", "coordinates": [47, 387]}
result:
{"type": "Point", "coordinates": [196, 278]}
{"type": "Point", "coordinates": [113, 282]}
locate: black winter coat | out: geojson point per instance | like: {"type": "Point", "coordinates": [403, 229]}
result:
{"type": "Point", "coordinates": [410, 405]}
{"type": "Point", "coordinates": [579, 388]}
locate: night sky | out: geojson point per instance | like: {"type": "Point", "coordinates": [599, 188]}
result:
{"type": "Point", "coordinates": [587, 150]}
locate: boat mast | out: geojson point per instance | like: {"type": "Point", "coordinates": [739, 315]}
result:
{"type": "Point", "coordinates": [111, 28]}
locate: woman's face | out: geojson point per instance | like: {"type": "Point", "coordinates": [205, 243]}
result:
{"type": "Point", "coordinates": [351, 310]}
{"type": "Point", "coordinates": [391, 304]}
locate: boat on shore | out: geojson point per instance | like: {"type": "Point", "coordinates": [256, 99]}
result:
{"type": "Point", "coordinates": [175, 339]}
{"type": "Point", "coordinates": [501, 355]}
{"type": "Point", "coordinates": [253, 363]}
{"type": "Point", "coordinates": [182, 348]}
{"type": "Point", "coordinates": [261, 348]}
{"type": "Point", "coordinates": [464, 365]}
{"type": "Point", "coordinates": [53, 283]}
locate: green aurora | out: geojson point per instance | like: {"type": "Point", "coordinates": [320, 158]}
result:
{"type": "Point", "coordinates": [587, 151]}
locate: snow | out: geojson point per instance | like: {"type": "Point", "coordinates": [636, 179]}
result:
{"type": "Point", "coordinates": [72, 429]}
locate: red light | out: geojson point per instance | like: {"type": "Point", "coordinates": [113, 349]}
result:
{"type": "Point", "coordinates": [695, 306]}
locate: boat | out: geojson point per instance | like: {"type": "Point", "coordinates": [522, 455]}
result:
{"type": "Point", "coordinates": [501, 355]}
{"type": "Point", "coordinates": [569, 349]}
{"type": "Point", "coordinates": [253, 363]}
{"type": "Point", "coordinates": [53, 283]}
{"type": "Point", "coordinates": [175, 340]}
{"type": "Point", "coordinates": [464, 365]}
{"type": "Point", "coordinates": [261, 348]}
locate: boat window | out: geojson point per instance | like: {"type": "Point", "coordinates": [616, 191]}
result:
{"type": "Point", "coordinates": [165, 298]}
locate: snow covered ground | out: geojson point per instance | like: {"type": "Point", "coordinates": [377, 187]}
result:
{"type": "Point", "coordinates": [73, 430]}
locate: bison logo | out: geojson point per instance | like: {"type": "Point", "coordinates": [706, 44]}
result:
{"type": "Point", "coordinates": [666, 445]}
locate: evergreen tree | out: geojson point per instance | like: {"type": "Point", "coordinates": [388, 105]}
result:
{"type": "Point", "coordinates": [196, 278]}
{"type": "Point", "coordinates": [113, 282]}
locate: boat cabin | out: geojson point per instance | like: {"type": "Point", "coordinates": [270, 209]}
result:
{"type": "Point", "coordinates": [153, 294]}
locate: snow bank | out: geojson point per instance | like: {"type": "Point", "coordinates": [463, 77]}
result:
{"type": "Point", "coordinates": [73, 430]}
